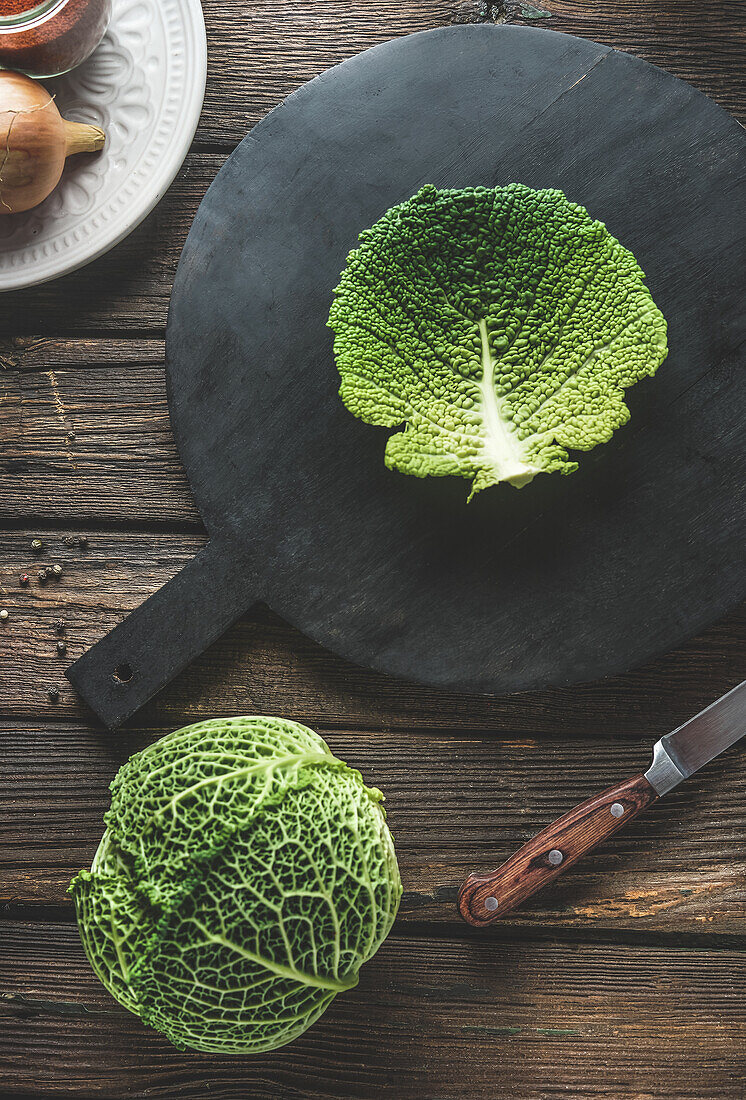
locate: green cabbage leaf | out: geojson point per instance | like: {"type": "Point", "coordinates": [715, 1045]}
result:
{"type": "Point", "coordinates": [244, 877]}
{"type": "Point", "coordinates": [499, 326]}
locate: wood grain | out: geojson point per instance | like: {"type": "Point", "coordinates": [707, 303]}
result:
{"type": "Point", "coordinates": [704, 43]}
{"type": "Point", "coordinates": [568, 839]}
{"type": "Point", "coordinates": [260, 52]}
{"type": "Point", "coordinates": [266, 49]}
{"type": "Point", "coordinates": [93, 442]}
{"type": "Point", "coordinates": [467, 779]}
{"type": "Point", "coordinates": [262, 665]}
{"type": "Point", "coordinates": [431, 1017]}
{"type": "Point", "coordinates": [455, 804]}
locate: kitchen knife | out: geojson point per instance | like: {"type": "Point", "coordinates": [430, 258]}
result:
{"type": "Point", "coordinates": [483, 899]}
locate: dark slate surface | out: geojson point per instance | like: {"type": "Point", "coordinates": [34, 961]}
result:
{"type": "Point", "coordinates": [568, 579]}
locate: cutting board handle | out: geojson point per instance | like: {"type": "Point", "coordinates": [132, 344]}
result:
{"type": "Point", "coordinates": [157, 640]}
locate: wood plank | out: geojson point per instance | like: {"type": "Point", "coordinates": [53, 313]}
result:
{"type": "Point", "coordinates": [93, 440]}
{"type": "Point", "coordinates": [39, 353]}
{"type": "Point", "coordinates": [433, 1016]}
{"type": "Point", "coordinates": [430, 1017]}
{"type": "Point", "coordinates": [454, 804]}
{"type": "Point", "coordinates": [262, 665]}
{"type": "Point", "coordinates": [702, 43]}
{"type": "Point", "coordinates": [260, 56]}
{"type": "Point", "coordinates": [260, 53]}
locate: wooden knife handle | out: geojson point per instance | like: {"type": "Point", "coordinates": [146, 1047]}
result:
{"type": "Point", "coordinates": [483, 899]}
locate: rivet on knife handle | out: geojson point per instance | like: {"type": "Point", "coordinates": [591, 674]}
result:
{"type": "Point", "coordinates": [485, 898]}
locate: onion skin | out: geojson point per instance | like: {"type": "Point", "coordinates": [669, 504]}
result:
{"type": "Point", "coordinates": [34, 142]}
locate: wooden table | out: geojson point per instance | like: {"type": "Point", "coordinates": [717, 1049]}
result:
{"type": "Point", "coordinates": [626, 979]}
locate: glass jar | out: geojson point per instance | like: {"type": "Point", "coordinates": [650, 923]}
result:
{"type": "Point", "coordinates": [51, 37]}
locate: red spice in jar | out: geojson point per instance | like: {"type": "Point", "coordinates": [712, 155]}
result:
{"type": "Point", "coordinates": [51, 37]}
{"type": "Point", "coordinates": [16, 7]}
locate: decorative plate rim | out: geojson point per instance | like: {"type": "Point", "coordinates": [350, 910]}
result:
{"type": "Point", "coordinates": [160, 180]}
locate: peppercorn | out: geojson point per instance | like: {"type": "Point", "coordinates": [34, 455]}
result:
{"type": "Point", "coordinates": [82, 542]}
{"type": "Point", "coordinates": [3, 616]}
{"type": "Point", "coordinates": [57, 570]}
{"type": "Point", "coordinates": [59, 626]}
{"type": "Point", "coordinates": [70, 437]}
{"type": "Point", "coordinates": [42, 575]}
{"type": "Point", "coordinates": [23, 580]}
{"type": "Point", "coordinates": [37, 546]}
{"type": "Point", "coordinates": [70, 540]}
{"type": "Point", "coordinates": [61, 649]}
{"type": "Point", "coordinates": [53, 694]}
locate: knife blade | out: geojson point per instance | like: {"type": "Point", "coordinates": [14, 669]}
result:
{"type": "Point", "coordinates": [485, 898]}
{"type": "Point", "coordinates": [689, 747]}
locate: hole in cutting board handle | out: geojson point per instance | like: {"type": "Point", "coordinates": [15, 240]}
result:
{"type": "Point", "coordinates": [159, 639]}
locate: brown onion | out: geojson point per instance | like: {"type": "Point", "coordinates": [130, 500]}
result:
{"type": "Point", "coordinates": [34, 142]}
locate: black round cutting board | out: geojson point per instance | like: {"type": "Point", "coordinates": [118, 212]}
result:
{"type": "Point", "coordinates": [567, 579]}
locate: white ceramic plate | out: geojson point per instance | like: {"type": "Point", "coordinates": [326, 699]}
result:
{"type": "Point", "coordinates": [144, 86]}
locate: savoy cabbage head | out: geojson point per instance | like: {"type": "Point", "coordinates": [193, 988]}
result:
{"type": "Point", "coordinates": [244, 877]}
{"type": "Point", "coordinates": [500, 326]}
